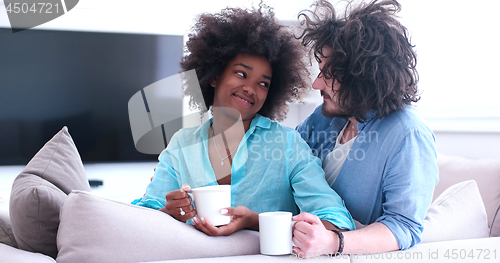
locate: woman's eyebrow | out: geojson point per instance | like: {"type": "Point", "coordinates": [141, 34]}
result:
{"type": "Point", "coordinates": [243, 65]}
{"type": "Point", "coordinates": [250, 68]}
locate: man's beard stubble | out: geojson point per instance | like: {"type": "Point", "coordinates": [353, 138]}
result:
{"type": "Point", "coordinates": [334, 113]}
{"type": "Point", "coordinates": [329, 114]}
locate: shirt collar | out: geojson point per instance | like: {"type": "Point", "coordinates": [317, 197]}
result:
{"type": "Point", "coordinates": [257, 121]}
{"type": "Point", "coordinates": [339, 123]}
{"type": "Point", "coordinates": [369, 116]}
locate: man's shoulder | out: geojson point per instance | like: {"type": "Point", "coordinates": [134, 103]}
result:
{"type": "Point", "coordinates": [404, 121]}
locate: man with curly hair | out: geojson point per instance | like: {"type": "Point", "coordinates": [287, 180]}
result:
{"type": "Point", "coordinates": [248, 67]}
{"type": "Point", "coordinates": [378, 154]}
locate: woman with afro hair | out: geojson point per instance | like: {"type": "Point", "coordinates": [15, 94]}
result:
{"type": "Point", "coordinates": [248, 67]}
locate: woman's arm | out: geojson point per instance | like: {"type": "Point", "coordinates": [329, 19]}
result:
{"type": "Point", "coordinates": [311, 192]}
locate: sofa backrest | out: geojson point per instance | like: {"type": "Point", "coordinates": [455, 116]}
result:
{"type": "Point", "coordinates": [486, 173]}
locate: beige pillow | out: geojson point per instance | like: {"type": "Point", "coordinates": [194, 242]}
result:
{"type": "Point", "coordinates": [95, 229]}
{"type": "Point", "coordinates": [458, 213]}
{"type": "Point", "coordinates": [6, 235]}
{"type": "Point", "coordinates": [39, 191]}
{"type": "Point", "coordinates": [486, 173]}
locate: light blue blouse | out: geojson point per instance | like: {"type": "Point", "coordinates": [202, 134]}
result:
{"type": "Point", "coordinates": [273, 170]}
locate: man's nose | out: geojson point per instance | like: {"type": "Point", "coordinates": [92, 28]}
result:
{"type": "Point", "coordinates": [318, 84]}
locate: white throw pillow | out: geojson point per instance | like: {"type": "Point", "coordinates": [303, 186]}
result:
{"type": "Point", "coordinates": [486, 173]}
{"type": "Point", "coordinates": [458, 213]}
{"type": "Point", "coordinates": [95, 229]}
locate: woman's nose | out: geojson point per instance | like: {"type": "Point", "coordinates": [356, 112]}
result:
{"type": "Point", "coordinates": [249, 88]}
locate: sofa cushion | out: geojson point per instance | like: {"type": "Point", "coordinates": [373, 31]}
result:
{"type": "Point", "coordinates": [9, 254]}
{"type": "Point", "coordinates": [458, 213]}
{"type": "Point", "coordinates": [6, 235]}
{"type": "Point", "coordinates": [486, 173]}
{"type": "Point", "coordinates": [96, 229]}
{"type": "Point", "coordinates": [39, 191]}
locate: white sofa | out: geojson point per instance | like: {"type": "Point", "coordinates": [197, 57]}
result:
{"type": "Point", "coordinates": [52, 217]}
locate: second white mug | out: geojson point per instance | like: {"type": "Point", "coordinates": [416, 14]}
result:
{"type": "Point", "coordinates": [275, 230]}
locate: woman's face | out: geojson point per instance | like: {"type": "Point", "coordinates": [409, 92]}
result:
{"type": "Point", "coordinates": [243, 85]}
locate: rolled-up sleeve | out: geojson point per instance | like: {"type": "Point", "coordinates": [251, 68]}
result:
{"type": "Point", "coordinates": [408, 186]}
{"type": "Point", "coordinates": [310, 189]}
{"type": "Point", "coordinates": [165, 179]}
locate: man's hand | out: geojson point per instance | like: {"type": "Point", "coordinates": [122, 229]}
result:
{"type": "Point", "coordinates": [178, 204]}
{"type": "Point", "coordinates": [243, 218]}
{"type": "Point", "coordinates": [310, 236]}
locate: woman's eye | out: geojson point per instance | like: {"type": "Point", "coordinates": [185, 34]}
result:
{"type": "Point", "coordinates": [242, 74]}
{"type": "Point", "coordinates": [264, 84]}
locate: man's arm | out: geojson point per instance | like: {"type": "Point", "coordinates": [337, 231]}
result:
{"type": "Point", "coordinates": [313, 235]}
{"type": "Point", "coordinates": [374, 238]}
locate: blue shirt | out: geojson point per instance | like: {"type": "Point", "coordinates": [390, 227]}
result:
{"type": "Point", "coordinates": [390, 172]}
{"type": "Point", "coordinates": [273, 170]}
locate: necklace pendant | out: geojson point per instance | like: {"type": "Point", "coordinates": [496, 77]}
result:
{"type": "Point", "coordinates": [222, 163]}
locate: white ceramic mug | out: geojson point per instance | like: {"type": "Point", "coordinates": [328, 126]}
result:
{"type": "Point", "coordinates": [209, 200]}
{"type": "Point", "coordinates": [275, 233]}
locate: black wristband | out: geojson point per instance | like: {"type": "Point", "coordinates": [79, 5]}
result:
{"type": "Point", "coordinates": [341, 241]}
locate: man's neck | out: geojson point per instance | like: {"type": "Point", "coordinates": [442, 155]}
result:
{"type": "Point", "coordinates": [350, 131]}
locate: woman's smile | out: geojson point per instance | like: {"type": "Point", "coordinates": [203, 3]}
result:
{"type": "Point", "coordinates": [245, 101]}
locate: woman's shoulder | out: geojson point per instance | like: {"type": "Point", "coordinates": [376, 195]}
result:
{"type": "Point", "coordinates": [283, 133]}
{"type": "Point", "coordinates": [185, 135]}
{"type": "Point", "coordinates": [274, 126]}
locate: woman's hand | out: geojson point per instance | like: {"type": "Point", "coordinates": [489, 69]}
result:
{"type": "Point", "coordinates": [243, 218]}
{"type": "Point", "coordinates": [178, 204]}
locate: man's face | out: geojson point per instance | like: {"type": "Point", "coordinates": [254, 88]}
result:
{"type": "Point", "coordinates": [328, 89]}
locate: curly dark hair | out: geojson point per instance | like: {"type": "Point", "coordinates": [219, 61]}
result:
{"type": "Point", "coordinates": [371, 57]}
{"type": "Point", "coordinates": [218, 38]}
